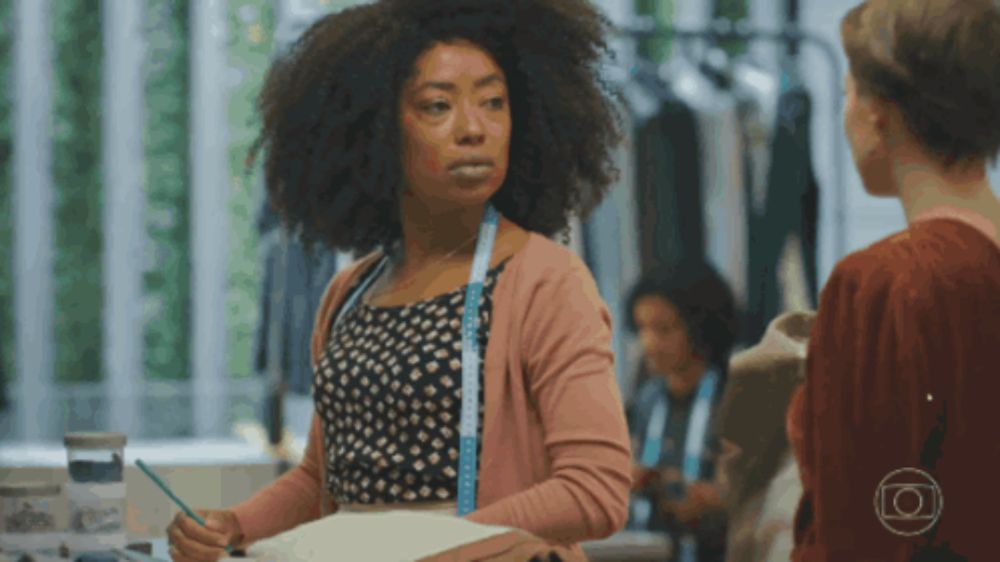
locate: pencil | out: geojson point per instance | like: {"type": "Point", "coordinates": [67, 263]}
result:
{"type": "Point", "coordinates": [166, 490]}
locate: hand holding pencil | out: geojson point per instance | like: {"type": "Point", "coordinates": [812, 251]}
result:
{"type": "Point", "coordinates": [197, 535]}
{"type": "Point", "coordinates": [190, 541]}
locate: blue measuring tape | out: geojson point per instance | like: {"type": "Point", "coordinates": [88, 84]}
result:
{"type": "Point", "coordinates": [469, 422]}
{"type": "Point", "coordinates": [467, 470]}
{"type": "Point", "coordinates": [694, 445]}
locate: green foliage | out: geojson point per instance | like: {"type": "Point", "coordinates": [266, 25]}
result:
{"type": "Point", "coordinates": [732, 10]}
{"type": "Point", "coordinates": [7, 364]}
{"type": "Point", "coordinates": [251, 42]}
{"type": "Point", "coordinates": [167, 286]}
{"type": "Point", "coordinates": [656, 48]}
{"type": "Point", "coordinates": [76, 170]}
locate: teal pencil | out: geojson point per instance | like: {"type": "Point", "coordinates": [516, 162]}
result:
{"type": "Point", "coordinates": [156, 480]}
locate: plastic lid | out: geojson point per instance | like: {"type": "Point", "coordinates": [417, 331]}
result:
{"type": "Point", "coordinates": [95, 440]}
{"type": "Point", "coordinates": [26, 489]}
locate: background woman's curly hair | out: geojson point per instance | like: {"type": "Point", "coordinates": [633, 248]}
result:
{"type": "Point", "coordinates": [330, 111]}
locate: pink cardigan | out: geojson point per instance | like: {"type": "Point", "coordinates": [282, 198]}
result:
{"type": "Point", "coordinates": [556, 458]}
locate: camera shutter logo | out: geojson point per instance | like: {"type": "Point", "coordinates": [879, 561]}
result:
{"type": "Point", "coordinates": [908, 502]}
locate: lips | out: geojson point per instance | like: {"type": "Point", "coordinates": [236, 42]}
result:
{"type": "Point", "coordinates": [471, 168]}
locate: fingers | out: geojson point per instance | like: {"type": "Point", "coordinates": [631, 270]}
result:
{"type": "Point", "coordinates": [704, 494]}
{"type": "Point", "coordinates": [698, 492]}
{"type": "Point", "coordinates": [191, 541]}
{"type": "Point", "coordinates": [642, 477]}
{"type": "Point", "coordinates": [193, 552]}
{"type": "Point", "coordinates": [193, 530]}
{"type": "Point", "coordinates": [176, 555]}
{"type": "Point", "coordinates": [670, 475]}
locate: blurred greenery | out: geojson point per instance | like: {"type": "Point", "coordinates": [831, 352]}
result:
{"type": "Point", "coordinates": [76, 169]}
{"type": "Point", "coordinates": [167, 272]}
{"type": "Point", "coordinates": [656, 48]}
{"type": "Point", "coordinates": [732, 10]}
{"type": "Point", "coordinates": [659, 48]}
{"type": "Point", "coordinates": [251, 42]}
{"type": "Point", "coordinates": [6, 190]}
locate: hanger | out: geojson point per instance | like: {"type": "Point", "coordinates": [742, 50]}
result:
{"type": "Point", "coordinates": [716, 66]}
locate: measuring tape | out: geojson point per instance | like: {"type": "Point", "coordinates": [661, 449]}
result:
{"type": "Point", "coordinates": [469, 423]}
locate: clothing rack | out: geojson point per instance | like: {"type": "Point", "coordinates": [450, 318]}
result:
{"type": "Point", "coordinates": [725, 30]}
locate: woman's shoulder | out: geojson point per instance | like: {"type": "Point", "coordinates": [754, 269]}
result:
{"type": "Point", "coordinates": [345, 280]}
{"type": "Point", "coordinates": [541, 250]}
{"type": "Point", "coordinates": [939, 241]}
{"type": "Point", "coordinates": [548, 276]}
{"type": "Point", "coordinates": [351, 274]}
{"type": "Point", "coordinates": [545, 261]}
{"type": "Point", "coordinates": [930, 259]}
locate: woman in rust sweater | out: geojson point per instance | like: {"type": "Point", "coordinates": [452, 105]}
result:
{"type": "Point", "coordinates": [450, 139]}
{"type": "Point", "coordinates": [895, 427]}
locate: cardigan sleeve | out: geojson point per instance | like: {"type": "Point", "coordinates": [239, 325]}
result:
{"type": "Point", "coordinates": [290, 500]}
{"type": "Point", "coordinates": [296, 496]}
{"type": "Point", "coordinates": [569, 371]}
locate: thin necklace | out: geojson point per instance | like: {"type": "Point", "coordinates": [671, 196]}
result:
{"type": "Point", "coordinates": [406, 282]}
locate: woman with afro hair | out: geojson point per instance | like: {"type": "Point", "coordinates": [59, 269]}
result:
{"type": "Point", "coordinates": [686, 321]}
{"type": "Point", "coordinates": [464, 364]}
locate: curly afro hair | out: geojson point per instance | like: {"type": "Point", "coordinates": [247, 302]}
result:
{"type": "Point", "coordinates": [705, 303]}
{"type": "Point", "coordinates": [330, 110]}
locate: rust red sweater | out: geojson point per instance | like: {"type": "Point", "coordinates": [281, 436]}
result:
{"type": "Point", "coordinates": [903, 371]}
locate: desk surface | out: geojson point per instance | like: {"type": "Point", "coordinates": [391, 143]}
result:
{"type": "Point", "coordinates": [160, 549]}
{"type": "Point", "coordinates": [622, 547]}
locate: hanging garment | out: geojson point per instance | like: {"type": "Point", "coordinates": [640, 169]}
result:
{"type": "Point", "coordinates": [757, 92]}
{"type": "Point", "coordinates": [293, 285]}
{"type": "Point", "coordinates": [723, 196]}
{"type": "Point", "coordinates": [3, 378]}
{"type": "Point", "coordinates": [721, 199]}
{"type": "Point", "coordinates": [612, 249]}
{"type": "Point", "coordinates": [782, 269]}
{"type": "Point", "coordinates": [669, 180]}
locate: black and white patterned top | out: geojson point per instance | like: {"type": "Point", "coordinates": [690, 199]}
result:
{"type": "Point", "coordinates": [388, 390]}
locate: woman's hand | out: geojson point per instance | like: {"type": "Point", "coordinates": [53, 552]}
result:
{"type": "Point", "coordinates": [191, 542]}
{"type": "Point", "coordinates": [642, 477]}
{"type": "Point", "coordinates": [654, 478]}
{"type": "Point", "coordinates": [701, 498]}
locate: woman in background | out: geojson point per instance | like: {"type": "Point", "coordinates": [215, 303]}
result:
{"type": "Point", "coordinates": [452, 138]}
{"type": "Point", "coordinates": [685, 320]}
{"type": "Point", "coordinates": [898, 415]}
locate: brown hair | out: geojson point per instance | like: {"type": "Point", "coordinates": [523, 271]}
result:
{"type": "Point", "coordinates": [939, 62]}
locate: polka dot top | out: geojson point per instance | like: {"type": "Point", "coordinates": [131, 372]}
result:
{"type": "Point", "coordinates": [388, 389]}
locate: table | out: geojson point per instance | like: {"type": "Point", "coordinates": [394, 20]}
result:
{"type": "Point", "coordinates": [627, 546]}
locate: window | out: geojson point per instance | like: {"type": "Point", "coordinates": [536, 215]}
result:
{"type": "Point", "coordinates": [120, 351]}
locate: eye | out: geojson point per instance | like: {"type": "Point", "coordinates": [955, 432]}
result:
{"type": "Point", "coordinates": [496, 103]}
{"type": "Point", "coordinates": [667, 328]}
{"type": "Point", "coordinates": [435, 107]}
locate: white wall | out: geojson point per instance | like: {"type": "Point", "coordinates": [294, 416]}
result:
{"type": "Point", "coordinates": [867, 219]}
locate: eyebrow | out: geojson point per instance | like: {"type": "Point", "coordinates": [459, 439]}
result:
{"type": "Point", "coordinates": [449, 86]}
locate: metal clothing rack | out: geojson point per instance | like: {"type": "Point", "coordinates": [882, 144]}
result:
{"type": "Point", "coordinates": [792, 35]}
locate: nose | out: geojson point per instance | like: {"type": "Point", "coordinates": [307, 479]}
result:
{"type": "Point", "coordinates": [469, 129]}
{"type": "Point", "coordinates": [647, 341]}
